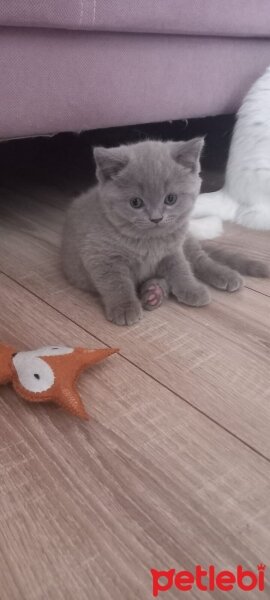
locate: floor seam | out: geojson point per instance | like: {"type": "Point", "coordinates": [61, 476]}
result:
{"type": "Point", "coordinates": [257, 291]}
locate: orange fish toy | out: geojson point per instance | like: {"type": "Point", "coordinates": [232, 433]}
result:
{"type": "Point", "coordinates": [49, 374]}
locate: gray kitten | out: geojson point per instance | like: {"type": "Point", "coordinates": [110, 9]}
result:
{"type": "Point", "coordinates": [126, 238]}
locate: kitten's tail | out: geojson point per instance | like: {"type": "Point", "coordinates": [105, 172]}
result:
{"type": "Point", "coordinates": [208, 213]}
{"type": "Point", "coordinates": [237, 261]}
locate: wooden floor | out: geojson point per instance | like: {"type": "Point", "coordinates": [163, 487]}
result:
{"type": "Point", "coordinates": [172, 470]}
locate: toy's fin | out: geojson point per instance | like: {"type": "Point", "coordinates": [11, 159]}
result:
{"type": "Point", "coordinates": [71, 401]}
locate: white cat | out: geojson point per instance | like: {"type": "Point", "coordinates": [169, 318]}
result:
{"type": "Point", "coordinates": [245, 197]}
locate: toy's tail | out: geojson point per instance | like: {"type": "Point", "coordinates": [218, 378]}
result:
{"type": "Point", "coordinates": [89, 357]}
{"type": "Point", "coordinates": [101, 353]}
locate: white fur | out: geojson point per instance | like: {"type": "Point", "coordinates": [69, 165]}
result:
{"type": "Point", "coordinates": [245, 198]}
{"type": "Point", "coordinates": [206, 228]}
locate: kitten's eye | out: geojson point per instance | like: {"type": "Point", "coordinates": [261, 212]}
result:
{"type": "Point", "coordinates": [170, 199]}
{"type": "Point", "coordinates": [136, 203]}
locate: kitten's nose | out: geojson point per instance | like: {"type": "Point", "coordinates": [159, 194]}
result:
{"type": "Point", "coordinates": [156, 220]}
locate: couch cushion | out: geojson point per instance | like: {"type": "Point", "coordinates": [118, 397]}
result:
{"type": "Point", "coordinates": [244, 18]}
{"type": "Point", "coordinates": [67, 81]}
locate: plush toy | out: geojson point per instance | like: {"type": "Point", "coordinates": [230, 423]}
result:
{"type": "Point", "coordinates": [49, 374]}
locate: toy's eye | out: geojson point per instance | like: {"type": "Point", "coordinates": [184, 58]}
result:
{"type": "Point", "coordinates": [170, 199]}
{"type": "Point", "coordinates": [34, 374]}
{"type": "Point", "coordinates": [136, 203]}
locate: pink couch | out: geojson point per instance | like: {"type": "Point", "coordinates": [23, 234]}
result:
{"type": "Point", "coordinates": [70, 65]}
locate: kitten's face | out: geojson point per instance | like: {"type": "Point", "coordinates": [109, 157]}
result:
{"type": "Point", "coordinates": [149, 186]}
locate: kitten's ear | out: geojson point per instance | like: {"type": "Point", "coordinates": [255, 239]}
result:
{"type": "Point", "coordinates": [109, 162]}
{"type": "Point", "coordinates": [188, 153]}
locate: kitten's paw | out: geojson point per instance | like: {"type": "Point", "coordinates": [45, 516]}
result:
{"type": "Point", "coordinates": [152, 293]}
{"type": "Point", "coordinates": [124, 314]}
{"type": "Point", "coordinates": [229, 281]}
{"type": "Point", "coordinates": [257, 268]}
{"type": "Point", "coordinates": [196, 296]}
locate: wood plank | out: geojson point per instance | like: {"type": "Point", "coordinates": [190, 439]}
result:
{"type": "Point", "coordinates": [217, 358]}
{"type": "Point", "coordinates": [149, 482]}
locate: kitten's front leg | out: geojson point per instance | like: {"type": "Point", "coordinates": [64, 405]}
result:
{"type": "Point", "coordinates": [181, 281]}
{"type": "Point", "coordinates": [114, 283]}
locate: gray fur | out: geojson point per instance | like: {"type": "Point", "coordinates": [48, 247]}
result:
{"type": "Point", "coordinates": [113, 249]}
